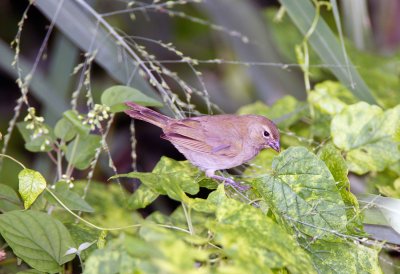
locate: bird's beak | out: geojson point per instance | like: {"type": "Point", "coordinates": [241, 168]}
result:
{"type": "Point", "coordinates": [275, 145]}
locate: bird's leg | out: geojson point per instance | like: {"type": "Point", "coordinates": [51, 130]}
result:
{"type": "Point", "coordinates": [211, 174]}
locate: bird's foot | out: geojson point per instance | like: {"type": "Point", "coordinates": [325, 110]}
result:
{"type": "Point", "coordinates": [236, 185]}
{"type": "Point", "coordinates": [228, 181]}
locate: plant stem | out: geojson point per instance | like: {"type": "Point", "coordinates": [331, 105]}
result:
{"type": "Point", "coordinates": [107, 228]}
{"type": "Point", "coordinates": [13, 159]}
{"type": "Point", "coordinates": [70, 167]}
{"type": "Point", "coordinates": [188, 219]}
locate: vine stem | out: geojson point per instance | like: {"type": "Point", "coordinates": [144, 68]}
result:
{"type": "Point", "coordinates": [106, 228]}
{"type": "Point", "coordinates": [13, 159]}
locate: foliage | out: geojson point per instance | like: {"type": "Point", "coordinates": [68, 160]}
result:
{"type": "Point", "coordinates": [301, 205]}
{"type": "Point", "coordinates": [299, 215]}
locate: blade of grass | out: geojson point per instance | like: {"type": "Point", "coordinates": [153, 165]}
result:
{"type": "Point", "coordinates": [244, 17]}
{"type": "Point", "coordinates": [40, 87]}
{"type": "Point", "coordinates": [81, 29]}
{"type": "Point", "coordinates": [326, 45]}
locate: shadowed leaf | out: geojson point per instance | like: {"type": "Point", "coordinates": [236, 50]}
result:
{"type": "Point", "coordinates": [37, 239]}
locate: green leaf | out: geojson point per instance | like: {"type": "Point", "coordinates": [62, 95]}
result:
{"type": "Point", "coordinates": [81, 151]}
{"type": "Point", "coordinates": [109, 202]}
{"type": "Point", "coordinates": [343, 257]}
{"type": "Point", "coordinates": [116, 96]}
{"type": "Point", "coordinates": [125, 255]}
{"type": "Point", "coordinates": [338, 168]}
{"type": "Point", "coordinates": [65, 130]}
{"type": "Point", "coordinates": [302, 191]}
{"type": "Point", "coordinates": [142, 197]}
{"type": "Point", "coordinates": [387, 183]}
{"type": "Point", "coordinates": [72, 116]}
{"type": "Point", "coordinates": [171, 252]}
{"type": "Point", "coordinates": [9, 199]}
{"type": "Point", "coordinates": [326, 45]}
{"type": "Point", "coordinates": [170, 177]}
{"type": "Point", "coordinates": [80, 234]}
{"type": "Point", "coordinates": [285, 112]}
{"type": "Point", "coordinates": [260, 164]}
{"type": "Point", "coordinates": [69, 198]}
{"type": "Point", "coordinates": [30, 271]}
{"type": "Point", "coordinates": [254, 242]}
{"type": "Point", "coordinates": [397, 134]}
{"type": "Point", "coordinates": [31, 185]}
{"type": "Point", "coordinates": [330, 97]}
{"type": "Point", "coordinates": [42, 143]}
{"type": "Point", "coordinates": [103, 261]}
{"type": "Point", "coordinates": [327, 98]}
{"type": "Point", "coordinates": [37, 238]}
{"type": "Point", "coordinates": [365, 133]}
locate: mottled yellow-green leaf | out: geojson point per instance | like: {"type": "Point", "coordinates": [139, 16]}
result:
{"type": "Point", "coordinates": [170, 177]}
{"type": "Point", "coordinates": [285, 112]}
{"type": "Point", "coordinates": [365, 133]}
{"type": "Point", "coordinates": [260, 165]}
{"type": "Point", "coordinates": [338, 168]}
{"type": "Point", "coordinates": [103, 261]}
{"type": "Point", "coordinates": [31, 185]}
{"type": "Point", "coordinates": [302, 191]}
{"type": "Point", "coordinates": [343, 257]}
{"type": "Point", "coordinates": [386, 182]}
{"type": "Point", "coordinates": [326, 99]}
{"type": "Point", "coordinates": [142, 197]}
{"type": "Point", "coordinates": [397, 134]}
{"type": "Point", "coordinates": [253, 242]}
{"type": "Point", "coordinates": [38, 239]}
{"type": "Point", "coordinates": [158, 251]}
{"type": "Point", "coordinates": [390, 189]}
{"type": "Point", "coordinates": [110, 204]}
{"type": "Point", "coordinates": [330, 97]}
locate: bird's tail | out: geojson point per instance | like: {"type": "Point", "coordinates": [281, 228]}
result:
{"type": "Point", "coordinates": [145, 114]}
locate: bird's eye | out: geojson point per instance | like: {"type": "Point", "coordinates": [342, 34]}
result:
{"type": "Point", "coordinates": [266, 133]}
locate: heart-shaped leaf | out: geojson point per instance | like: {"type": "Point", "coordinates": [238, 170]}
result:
{"type": "Point", "coordinates": [31, 185]}
{"type": "Point", "coordinates": [116, 96]}
{"type": "Point", "coordinates": [302, 191]}
{"type": "Point", "coordinates": [37, 238]}
{"type": "Point", "coordinates": [82, 150]}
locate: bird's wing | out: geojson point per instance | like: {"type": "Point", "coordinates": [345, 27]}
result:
{"type": "Point", "coordinates": [203, 136]}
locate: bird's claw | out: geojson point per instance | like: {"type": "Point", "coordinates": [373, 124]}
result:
{"type": "Point", "coordinates": [236, 185]}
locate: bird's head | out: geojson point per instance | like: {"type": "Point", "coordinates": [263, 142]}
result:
{"type": "Point", "coordinates": [264, 133]}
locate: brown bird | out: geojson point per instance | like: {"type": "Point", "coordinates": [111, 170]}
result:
{"type": "Point", "coordinates": [214, 142]}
